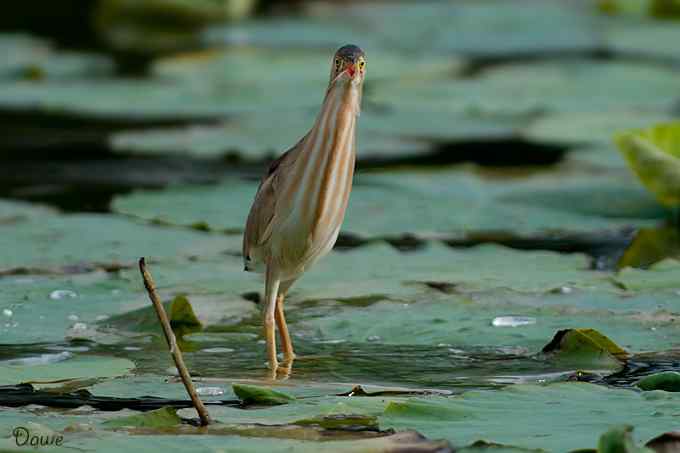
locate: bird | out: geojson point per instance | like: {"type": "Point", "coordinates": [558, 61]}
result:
{"type": "Point", "coordinates": [301, 201]}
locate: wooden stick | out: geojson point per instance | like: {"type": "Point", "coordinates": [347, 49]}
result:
{"type": "Point", "coordinates": [172, 344]}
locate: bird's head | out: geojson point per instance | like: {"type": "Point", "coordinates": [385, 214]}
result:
{"type": "Point", "coordinates": [349, 65]}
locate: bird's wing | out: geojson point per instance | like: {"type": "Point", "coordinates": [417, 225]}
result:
{"type": "Point", "coordinates": [258, 225]}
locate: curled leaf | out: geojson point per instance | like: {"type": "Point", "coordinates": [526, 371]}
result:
{"type": "Point", "coordinates": [654, 155]}
{"type": "Point", "coordinates": [250, 394]}
{"type": "Point", "coordinates": [585, 347]}
{"type": "Point", "coordinates": [667, 380]}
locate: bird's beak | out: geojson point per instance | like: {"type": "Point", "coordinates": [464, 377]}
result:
{"type": "Point", "coordinates": [351, 70]}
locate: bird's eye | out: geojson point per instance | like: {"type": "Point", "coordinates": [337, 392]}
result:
{"type": "Point", "coordinates": [337, 64]}
{"type": "Point", "coordinates": [362, 64]}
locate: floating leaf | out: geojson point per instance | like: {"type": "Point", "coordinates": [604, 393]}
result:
{"type": "Point", "coordinates": [452, 202]}
{"type": "Point", "coordinates": [180, 314]}
{"type": "Point", "coordinates": [159, 418]}
{"type": "Point", "coordinates": [665, 443]}
{"type": "Point", "coordinates": [162, 25]}
{"type": "Point", "coordinates": [581, 128]}
{"type": "Point", "coordinates": [650, 246]}
{"type": "Point", "coordinates": [352, 422]}
{"type": "Point", "coordinates": [58, 242]}
{"type": "Point", "coordinates": [78, 367]}
{"type": "Point", "coordinates": [663, 275]}
{"type": "Point", "coordinates": [619, 440]}
{"type": "Point", "coordinates": [667, 380]}
{"type": "Point", "coordinates": [654, 156]}
{"type": "Point", "coordinates": [586, 347]}
{"type": "Point", "coordinates": [250, 394]}
{"type": "Point", "coordinates": [536, 412]}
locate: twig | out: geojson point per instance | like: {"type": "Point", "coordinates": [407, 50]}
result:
{"type": "Point", "coordinates": [172, 344]}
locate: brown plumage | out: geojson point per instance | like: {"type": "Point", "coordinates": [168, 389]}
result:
{"type": "Point", "coordinates": [301, 202]}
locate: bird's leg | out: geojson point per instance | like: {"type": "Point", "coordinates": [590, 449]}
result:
{"type": "Point", "coordinates": [271, 290]}
{"type": "Point", "coordinates": [286, 343]}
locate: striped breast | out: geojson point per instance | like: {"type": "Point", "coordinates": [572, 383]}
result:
{"type": "Point", "coordinates": [317, 194]}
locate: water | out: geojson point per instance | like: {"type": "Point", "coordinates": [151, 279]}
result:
{"type": "Point", "coordinates": [60, 294]}
{"type": "Point", "coordinates": [512, 321]}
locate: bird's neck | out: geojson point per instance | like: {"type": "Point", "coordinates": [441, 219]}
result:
{"type": "Point", "coordinates": [328, 157]}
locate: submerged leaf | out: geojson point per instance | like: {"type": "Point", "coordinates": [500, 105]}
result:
{"type": "Point", "coordinates": [667, 380]}
{"type": "Point", "coordinates": [159, 418]}
{"type": "Point", "coordinates": [250, 394]}
{"type": "Point", "coordinates": [180, 314]}
{"type": "Point", "coordinates": [341, 421]}
{"type": "Point", "coordinates": [654, 155]}
{"type": "Point", "coordinates": [619, 440]}
{"type": "Point", "coordinates": [79, 367]}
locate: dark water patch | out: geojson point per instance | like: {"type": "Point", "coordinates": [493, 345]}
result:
{"type": "Point", "coordinates": [604, 248]}
{"type": "Point", "coordinates": [506, 152]}
{"type": "Point", "coordinates": [643, 365]}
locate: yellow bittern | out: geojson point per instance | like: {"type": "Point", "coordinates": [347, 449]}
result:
{"type": "Point", "coordinates": [301, 201]}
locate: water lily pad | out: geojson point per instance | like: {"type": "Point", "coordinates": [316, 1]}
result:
{"type": "Point", "coordinates": [162, 25]}
{"type": "Point", "coordinates": [654, 156]}
{"type": "Point", "coordinates": [57, 242]}
{"type": "Point", "coordinates": [76, 367]}
{"type": "Point", "coordinates": [667, 380]}
{"type": "Point", "coordinates": [520, 29]}
{"type": "Point", "coordinates": [179, 311]}
{"type": "Point", "coordinates": [250, 394]}
{"type": "Point", "coordinates": [570, 86]}
{"type": "Point", "coordinates": [536, 410]}
{"type": "Point", "coordinates": [451, 201]}
{"type": "Point", "coordinates": [619, 439]}
{"type": "Point", "coordinates": [159, 418]}
{"type": "Point", "coordinates": [585, 347]}
{"type": "Point", "coordinates": [255, 137]}
{"type": "Point", "coordinates": [593, 128]}
{"type": "Point", "coordinates": [29, 58]}
{"type": "Point", "coordinates": [651, 245]}
{"type": "Point", "coordinates": [639, 37]}
{"type": "Point", "coordinates": [662, 275]}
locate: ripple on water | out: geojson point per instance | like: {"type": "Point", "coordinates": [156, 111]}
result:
{"type": "Point", "coordinates": [59, 294]}
{"type": "Point", "coordinates": [512, 321]}
{"type": "Point", "coordinates": [42, 359]}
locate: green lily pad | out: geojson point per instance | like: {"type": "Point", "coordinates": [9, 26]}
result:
{"type": "Point", "coordinates": [654, 156]}
{"type": "Point", "coordinates": [29, 58]}
{"type": "Point", "coordinates": [642, 37]}
{"type": "Point", "coordinates": [179, 311]}
{"type": "Point", "coordinates": [536, 411]}
{"type": "Point", "coordinates": [162, 25]}
{"type": "Point", "coordinates": [662, 275]}
{"type": "Point", "coordinates": [586, 348]}
{"type": "Point", "coordinates": [519, 29]}
{"type": "Point", "coordinates": [159, 418]}
{"type": "Point", "coordinates": [619, 440]}
{"type": "Point", "coordinates": [57, 242]}
{"type": "Point", "coordinates": [77, 367]}
{"type": "Point", "coordinates": [556, 87]}
{"type": "Point", "coordinates": [250, 394]}
{"type": "Point", "coordinates": [667, 380]}
{"type": "Point", "coordinates": [587, 128]}
{"type": "Point", "coordinates": [450, 202]}
{"type": "Point", "coordinates": [18, 211]}
{"type": "Point", "coordinates": [650, 246]}
{"type": "Point", "coordinates": [255, 137]}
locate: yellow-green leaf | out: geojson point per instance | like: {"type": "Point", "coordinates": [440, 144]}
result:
{"type": "Point", "coordinates": [654, 156]}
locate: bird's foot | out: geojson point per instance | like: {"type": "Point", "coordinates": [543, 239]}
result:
{"type": "Point", "coordinates": [289, 357]}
